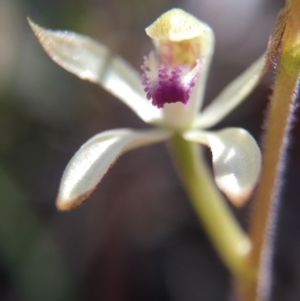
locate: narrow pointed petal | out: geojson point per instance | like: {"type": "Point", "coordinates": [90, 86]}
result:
{"type": "Point", "coordinates": [232, 95]}
{"type": "Point", "coordinates": [94, 158]}
{"type": "Point", "coordinates": [92, 61]}
{"type": "Point", "coordinates": [236, 161]}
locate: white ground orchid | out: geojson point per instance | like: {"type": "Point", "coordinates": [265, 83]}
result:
{"type": "Point", "coordinates": [174, 78]}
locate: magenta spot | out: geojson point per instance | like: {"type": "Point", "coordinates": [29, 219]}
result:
{"type": "Point", "coordinates": [167, 84]}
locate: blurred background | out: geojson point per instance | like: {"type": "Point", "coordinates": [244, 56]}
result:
{"type": "Point", "coordinates": [136, 238]}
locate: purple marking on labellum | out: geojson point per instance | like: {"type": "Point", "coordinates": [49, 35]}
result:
{"type": "Point", "coordinates": [167, 84]}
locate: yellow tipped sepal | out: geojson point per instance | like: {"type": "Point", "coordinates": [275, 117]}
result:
{"type": "Point", "coordinates": [176, 25]}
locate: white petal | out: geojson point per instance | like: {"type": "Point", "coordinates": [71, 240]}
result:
{"type": "Point", "coordinates": [93, 159]}
{"type": "Point", "coordinates": [231, 96]}
{"type": "Point", "coordinates": [236, 161]}
{"type": "Point", "coordinates": [92, 61]}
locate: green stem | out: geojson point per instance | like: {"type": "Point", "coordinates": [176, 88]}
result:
{"type": "Point", "coordinates": [229, 239]}
{"type": "Point", "coordinates": [280, 116]}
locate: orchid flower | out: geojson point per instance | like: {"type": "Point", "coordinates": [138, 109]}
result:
{"type": "Point", "coordinates": [168, 95]}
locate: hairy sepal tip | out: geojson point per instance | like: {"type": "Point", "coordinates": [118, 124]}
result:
{"type": "Point", "coordinates": [69, 204]}
{"type": "Point", "coordinates": [35, 28]}
{"type": "Point", "coordinates": [238, 200]}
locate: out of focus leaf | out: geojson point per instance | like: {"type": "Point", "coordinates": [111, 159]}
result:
{"type": "Point", "coordinates": [32, 260]}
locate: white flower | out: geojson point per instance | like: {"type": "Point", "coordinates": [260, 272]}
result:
{"type": "Point", "coordinates": [174, 77]}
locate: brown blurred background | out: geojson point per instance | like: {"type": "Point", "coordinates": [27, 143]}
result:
{"type": "Point", "coordinates": [136, 238]}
